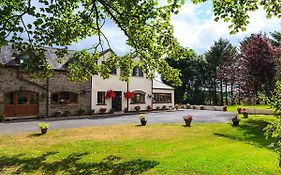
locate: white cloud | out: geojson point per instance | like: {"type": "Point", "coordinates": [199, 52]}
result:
{"type": "Point", "coordinates": [195, 26]}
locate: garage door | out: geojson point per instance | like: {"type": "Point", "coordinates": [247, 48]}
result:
{"type": "Point", "coordinates": [21, 103]}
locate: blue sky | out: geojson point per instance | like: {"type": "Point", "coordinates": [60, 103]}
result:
{"type": "Point", "coordinates": [194, 27]}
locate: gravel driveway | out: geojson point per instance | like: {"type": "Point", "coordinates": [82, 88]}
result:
{"type": "Point", "coordinates": [199, 116]}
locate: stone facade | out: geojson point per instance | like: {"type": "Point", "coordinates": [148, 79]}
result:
{"type": "Point", "coordinates": [11, 79]}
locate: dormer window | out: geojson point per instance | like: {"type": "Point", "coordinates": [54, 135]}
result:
{"type": "Point", "coordinates": [137, 72]}
{"type": "Point", "coordinates": [23, 58]}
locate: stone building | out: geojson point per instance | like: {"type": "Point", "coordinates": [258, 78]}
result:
{"type": "Point", "coordinates": [22, 96]}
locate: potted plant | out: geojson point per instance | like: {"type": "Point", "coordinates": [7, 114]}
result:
{"type": "Point", "coordinates": [164, 107]}
{"type": "Point", "coordinates": [92, 112]}
{"type": "Point", "coordinates": [224, 108]}
{"type": "Point", "coordinates": [81, 111]}
{"type": "Point", "coordinates": [58, 113]}
{"type": "Point", "coordinates": [235, 120]}
{"type": "Point", "coordinates": [2, 118]}
{"type": "Point", "coordinates": [110, 94]}
{"type": "Point", "coordinates": [112, 111]}
{"type": "Point", "coordinates": [129, 95]}
{"type": "Point", "coordinates": [44, 127]}
{"type": "Point", "coordinates": [67, 113]}
{"type": "Point", "coordinates": [142, 119]}
{"type": "Point", "coordinates": [149, 108]}
{"type": "Point", "coordinates": [244, 112]}
{"type": "Point", "coordinates": [176, 106]}
{"type": "Point", "coordinates": [239, 110]}
{"type": "Point", "coordinates": [187, 119]}
{"type": "Point", "coordinates": [103, 110]}
{"type": "Point", "coordinates": [137, 108]}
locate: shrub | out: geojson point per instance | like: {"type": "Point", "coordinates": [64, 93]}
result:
{"type": "Point", "coordinates": [157, 108]}
{"type": "Point", "coordinates": [176, 106]}
{"type": "Point", "coordinates": [43, 125]}
{"type": "Point", "coordinates": [112, 111]}
{"type": "Point", "coordinates": [164, 107]}
{"type": "Point", "coordinates": [149, 108]}
{"type": "Point", "coordinates": [103, 110]}
{"type": "Point", "coordinates": [202, 107]}
{"type": "Point", "coordinates": [188, 106]}
{"type": "Point", "coordinates": [2, 118]}
{"type": "Point", "coordinates": [137, 108]}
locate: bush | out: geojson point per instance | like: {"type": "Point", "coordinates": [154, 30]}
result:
{"type": "Point", "coordinates": [149, 108]}
{"type": "Point", "coordinates": [137, 108]}
{"type": "Point", "coordinates": [274, 130]}
{"type": "Point", "coordinates": [103, 110]}
{"type": "Point", "coordinates": [2, 118]}
{"type": "Point", "coordinates": [164, 107]}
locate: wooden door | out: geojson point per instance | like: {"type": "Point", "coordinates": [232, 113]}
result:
{"type": "Point", "coordinates": [21, 103]}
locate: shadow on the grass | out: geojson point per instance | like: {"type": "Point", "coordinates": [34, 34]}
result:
{"type": "Point", "coordinates": [73, 164]}
{"type": "Point", "coordinates": [250, 130]}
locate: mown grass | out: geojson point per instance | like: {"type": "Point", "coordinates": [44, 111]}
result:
{"type": "Point", "coordinates": [233, 108]}
{"type": "Point", "coordinates": [153, 149]}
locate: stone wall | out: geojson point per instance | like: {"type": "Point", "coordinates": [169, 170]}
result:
{"type": "Point", "coordinates": [13, 80]}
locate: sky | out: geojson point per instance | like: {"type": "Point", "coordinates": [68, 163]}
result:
{"type": "Point", "coordinates": [194, 27]}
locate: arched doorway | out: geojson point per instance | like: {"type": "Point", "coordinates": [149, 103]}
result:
{"type": "Point", "coordinates": [21, 103]}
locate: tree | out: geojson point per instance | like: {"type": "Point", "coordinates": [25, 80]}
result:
{"type": "Point", "coordinates": [275, 39]}
{"type": "Point", "coordinates": [145, 23]}
{"type": "Point", "coordinates": [193, 76]}
{"type": "Point", "coordinates": [257, 65]}
{"type": "Point", "coordinates": [216, 57]}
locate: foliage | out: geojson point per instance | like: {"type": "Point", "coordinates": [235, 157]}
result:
{"type": "Point", "coordinates": [220, 66]}
{"type": "Point", "coordinates": [129, 95]}
{"type": "Point", "coordinates": [141, 116]}
{"type": "Point", "coordinates": [257, 65]}
{"type": "Point", "coordinates": [275, 38]}
{"type": "Point", "coordinates": [103, 110]}
{"type": "Point", "coordinates": [146, 25]}
{"type": "Point", "coordinates": [110, 94]}
{"type": "Point", "coordinates": [235, 119]}
{"type": "Point", "coordinates": [193, 76]}
{"type": "Point", "coordinates": [43, 125]}
{"type": "Point", "coordinates": [188, 117]}
{"type": "Point", "coordinates": [274, 130]}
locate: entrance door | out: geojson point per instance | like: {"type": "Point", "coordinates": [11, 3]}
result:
{"type": "Point", "coordinates": [117, 101]}
{"type": "Point", "coordinates": [21, 103]}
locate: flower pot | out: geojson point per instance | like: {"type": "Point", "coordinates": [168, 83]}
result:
{"type": "Point", "coordinates": [187, 122]}
{"type": "Point", "coordinates": [143, 122]}
{"type": "Point", "coordinates": [245, 115]}
{"type": "Point", "coordinates": [239, 110]}
{"type": "Point", "coordinates": [235, 123]}
{"type": "Point", "coordinates": [44, 130]}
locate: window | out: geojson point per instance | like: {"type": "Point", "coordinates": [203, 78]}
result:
{"type": "Point", "coordinates": [113, 71]}
{"type": "Point", "coordinates": [64, 98]}
{"type": "Point", "coordinates": [138, 98]}
{"type": "Point", "coordinates": [137, 72]}
{"type": "Point", "coordinates": [101, 98]}
{"type": "Point", "coordinates": [162, 98]}
{"type": "Point", "coordinates": [9, 98]}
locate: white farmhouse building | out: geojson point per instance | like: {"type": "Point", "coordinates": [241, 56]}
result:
{"type": "Point", "coordinates": [147, 93]}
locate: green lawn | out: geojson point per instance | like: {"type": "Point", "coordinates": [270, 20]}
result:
{"type": "Point", "coordinates": [153, 149]}
{"type": "Point", "coordinates": [233, 108]}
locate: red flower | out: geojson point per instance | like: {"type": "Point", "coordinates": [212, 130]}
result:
{"type": "Point", "coordinates": [110, 94]}
{"type": "Point", "coordinates": [129, 95]}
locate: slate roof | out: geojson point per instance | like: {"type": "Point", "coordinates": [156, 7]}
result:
{"type": "Point", "coordinates": [7, 59]}
{"type": "Point", "coordinates": [157, 84]}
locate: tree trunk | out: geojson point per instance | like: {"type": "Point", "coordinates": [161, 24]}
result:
{"type": "Point", "coordinates": [226, 93]}
{"type": "Point", "coordinates": [221, 92]}
{"type": "Point", "coordinates": [215, 100]}
{"type": "Point", "coordinates": [231, 93]}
